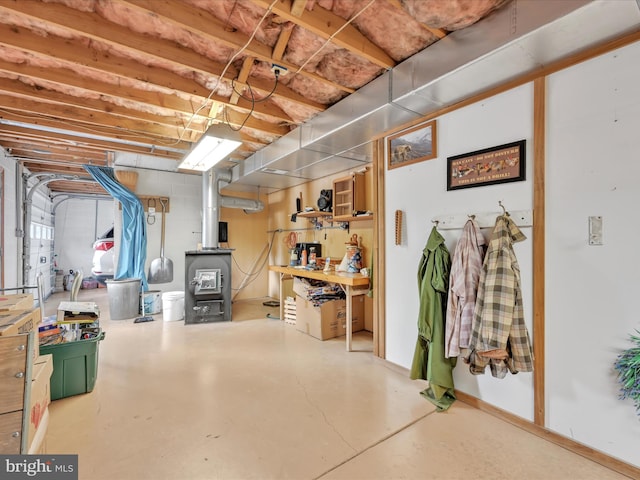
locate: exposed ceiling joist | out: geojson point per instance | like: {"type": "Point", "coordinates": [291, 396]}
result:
{"type": "Point", "coordinates": [328, 25]}
{"type": "Point", "coordinates": [84, 80]}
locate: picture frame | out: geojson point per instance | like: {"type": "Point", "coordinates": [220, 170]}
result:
{"type": "Point", "coordinates": [490, 166]}
{"type": "Point", "coordinates": [413, 145]}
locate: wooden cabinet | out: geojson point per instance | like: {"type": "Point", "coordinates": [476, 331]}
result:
{"type": "Point", "coordinates": [25, 394]}
{"type": "Point", "coordinates": [15, 373]}
{"type": "Point", "coordinates": [349, 195]}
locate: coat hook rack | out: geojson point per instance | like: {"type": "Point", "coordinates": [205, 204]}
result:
{"type": "Point", "coordinates": [522, 218]}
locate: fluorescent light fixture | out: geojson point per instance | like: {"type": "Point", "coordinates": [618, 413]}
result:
{"type": "Point", "coordinates": [214, 145]}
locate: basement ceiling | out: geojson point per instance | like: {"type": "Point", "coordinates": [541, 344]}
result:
{"type": "Point", "coordinates": [90, 81]}
{"type": "Point", "coordinates": [135, 83]}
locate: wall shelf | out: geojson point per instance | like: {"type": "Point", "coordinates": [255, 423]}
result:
{"type": "Point", "coordinates": [313, 214]}
{"type": "Point", "coordinates": [349, 196]}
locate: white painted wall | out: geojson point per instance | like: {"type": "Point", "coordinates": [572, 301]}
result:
{"type": "Point", "coordinates": [419, 190]}
{"type": "Point", "coordinates": [593, 168]}
{"type": "Point", "coordinates": [183, 223]}
{"type": "Point", "coordinates": [593, 121]}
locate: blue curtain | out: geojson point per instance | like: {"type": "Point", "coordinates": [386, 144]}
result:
{"type": "Point", "coordinates": [133, 244]}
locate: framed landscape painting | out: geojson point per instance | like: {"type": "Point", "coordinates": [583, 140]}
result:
{"type": "Point", "coordinates": [412, 146]}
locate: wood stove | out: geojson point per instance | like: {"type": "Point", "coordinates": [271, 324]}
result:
{"type": "Point", "coordinates": [208, 285]}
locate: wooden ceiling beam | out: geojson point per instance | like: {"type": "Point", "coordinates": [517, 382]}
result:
{"type": "Point", "coordinates": [327, 25]}
{"type": "Point", "coordinates": [19, 89]}
{"type": "Point", "coordinates": [166, 84]}
{"type": "Point", "coordinates": [55, 156]}
{"type": "Point", "coordinates": [209, 27]}
{"type": "Point", "coordinates": [43, 121]}
{"type": "Point", "coordinates": [22, 134]}
{"type": "Point", "coordinates": [283, 40]}
{"type": "Point", "coordinates": [247, 64]}
{"type": "Point", "coordinates": [74, 187]}
{"type": "Point", "coordinates": [44, 151]}
{"type": "Point", "coordinates": [240, 120]}
{"type": "Point", "coordinates": [93, 26]}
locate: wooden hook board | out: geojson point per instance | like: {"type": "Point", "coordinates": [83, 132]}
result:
{"type": "Point", "coordinates": [522, 218]}
{"type": "Point", "coordinates": [154, 201]}
{"type": "Point", "coordinates": [151, 199]}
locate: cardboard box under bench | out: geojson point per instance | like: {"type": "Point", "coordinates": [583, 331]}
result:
{"type": "Point", "coordinates": [329, 319]}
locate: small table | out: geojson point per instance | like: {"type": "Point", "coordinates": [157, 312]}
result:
{"type": "Point", "coordinates": [345, 280]}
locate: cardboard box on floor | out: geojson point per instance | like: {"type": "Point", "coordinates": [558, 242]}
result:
{"type": "Point", "coordinates": [357, 316]}
{"type": "Point", "coordinates": [328, 320]}
{"type": "Point", "coordinates": [40, 398]}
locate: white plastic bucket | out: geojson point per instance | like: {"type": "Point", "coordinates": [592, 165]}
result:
{"type": "Point", "coordinates": [152, 301]}
{"type": "Point", "coordinates": [172, 306]}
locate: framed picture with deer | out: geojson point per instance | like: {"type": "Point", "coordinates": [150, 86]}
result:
{"type": "Point", "coordinates": [413, 145]}
{"type": "Point", "coordinates": [501, 164]}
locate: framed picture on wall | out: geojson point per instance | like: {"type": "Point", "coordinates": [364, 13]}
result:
{"type": "Point", "coordinates": [501, 164]}
{"type": "Point", "coordinates": [413, 145]}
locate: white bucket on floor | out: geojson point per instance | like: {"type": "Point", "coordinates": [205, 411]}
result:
{"type": "Point", "coordinates": [172, 306]}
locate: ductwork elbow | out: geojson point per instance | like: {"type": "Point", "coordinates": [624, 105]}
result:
{"type": "Point", "coordinates": [247, 204]}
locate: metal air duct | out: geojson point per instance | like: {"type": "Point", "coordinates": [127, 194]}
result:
{"type": "Point", "coordinates": [212, 199]}
{"type": "Point", "coordinates": [520, 38]}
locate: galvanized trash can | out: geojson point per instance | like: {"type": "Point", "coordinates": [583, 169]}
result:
{"type": "Point", "coordinates": [124, 298]}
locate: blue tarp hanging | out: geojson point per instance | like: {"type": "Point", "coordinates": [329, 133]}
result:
{"type": "Point", "coordinates": [133, 244]}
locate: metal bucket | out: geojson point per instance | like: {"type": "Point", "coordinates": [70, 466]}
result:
{"type": "Point", "coordinates": [124, 298]}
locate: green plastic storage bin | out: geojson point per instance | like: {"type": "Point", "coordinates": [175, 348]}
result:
{"type": "Point", "coordinates": [75, 366]}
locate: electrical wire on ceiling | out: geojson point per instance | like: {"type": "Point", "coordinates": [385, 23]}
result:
{"type": "Point", "coordinates": [224, 71]}
{"type": "Point", "coordinates": [252, 99]}
{"type": "Point", "coordinates": [158, 140]}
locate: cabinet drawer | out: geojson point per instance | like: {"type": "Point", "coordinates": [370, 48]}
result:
{"type": "Point", "coordinates": [10, 437]}
{"type": "Point", "coordinates": [13, 368]}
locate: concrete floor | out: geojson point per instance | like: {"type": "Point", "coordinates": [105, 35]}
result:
{"type": "Point", "coordinates": [256, 399]}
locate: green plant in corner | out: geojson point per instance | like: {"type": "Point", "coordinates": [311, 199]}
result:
{"type": "Point", "coordinates": [628, 367]}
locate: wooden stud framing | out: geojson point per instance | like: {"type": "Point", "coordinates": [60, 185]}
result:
{"type": "Point", "coordinates": [539, 158]}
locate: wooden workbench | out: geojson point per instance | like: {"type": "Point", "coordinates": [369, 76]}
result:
{"type": "Point", "coordinates": [345, 280]}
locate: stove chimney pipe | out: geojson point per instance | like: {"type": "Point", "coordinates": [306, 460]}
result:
{"type": "Point", "coordinates": [212, 200]}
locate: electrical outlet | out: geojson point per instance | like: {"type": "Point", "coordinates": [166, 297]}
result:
{"type": "Point", "coordinates": [279, 70]}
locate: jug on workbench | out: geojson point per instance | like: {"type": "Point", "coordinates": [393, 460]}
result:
{"type": "Point", "coordinates": [352, 261]}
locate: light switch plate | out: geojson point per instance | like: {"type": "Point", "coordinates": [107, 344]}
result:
{"type": "Point", "coordinates": [595, 230]}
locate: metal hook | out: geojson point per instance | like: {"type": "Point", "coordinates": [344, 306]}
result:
{"type": "Point", "coordinates": [436, 222]}
{"type": "Point", "coordinates": [504, 211]}
{"type": "Point", "coordinates": [471, 217]}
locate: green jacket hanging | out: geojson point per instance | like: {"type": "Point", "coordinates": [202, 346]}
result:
{"type": "Point", "coordinates": [429, 362]}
